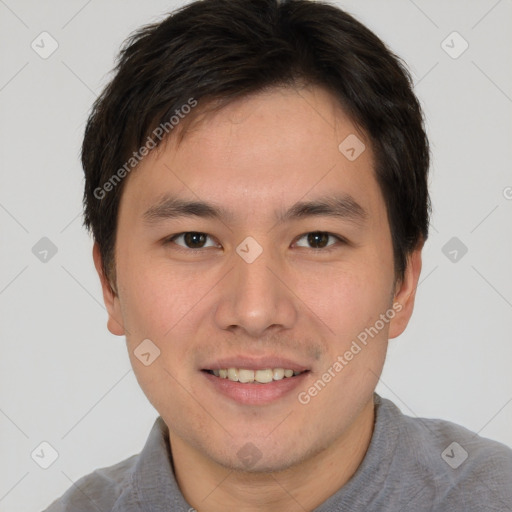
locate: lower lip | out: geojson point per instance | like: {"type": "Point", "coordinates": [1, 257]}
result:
{"type": "Point", "coordinates": [255, 393]}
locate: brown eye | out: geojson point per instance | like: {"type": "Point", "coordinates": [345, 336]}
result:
{"type": "Point", "coordinates": [194, 240]}
{"type": "Point", "coordinates": [318, 239]}
{"type": "Point", "coordinates": [191, 240]}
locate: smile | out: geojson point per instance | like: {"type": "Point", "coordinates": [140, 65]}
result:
{"type": "Point", "coordinates": [247, 376]}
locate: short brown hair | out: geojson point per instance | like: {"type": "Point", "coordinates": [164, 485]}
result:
{"type": "Point", "coordinates": [227, 49]}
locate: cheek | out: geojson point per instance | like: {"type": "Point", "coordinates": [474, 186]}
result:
{"type": "Point", "coordinates": [154, 296]}
{"type": "Point", "coordinates": [346, 299]}
{"type": "Point", "coordinates": [165, 301]}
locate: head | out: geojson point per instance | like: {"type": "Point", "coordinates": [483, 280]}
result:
{"type": "Point", "coordinates": [289, 123]}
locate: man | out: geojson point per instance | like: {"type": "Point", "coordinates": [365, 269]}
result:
{"type": "Point", "coordinates": [256, 184]}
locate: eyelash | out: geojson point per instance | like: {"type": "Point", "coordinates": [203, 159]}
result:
{"type": "Point", "coordinates": [327, 249]}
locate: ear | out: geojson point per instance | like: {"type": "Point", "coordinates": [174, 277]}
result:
{"type": "Point", "coordinates": [405, 293]}
{"type": "Point", "coordinates": [115, 319]}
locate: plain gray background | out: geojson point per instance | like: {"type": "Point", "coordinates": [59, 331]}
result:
{"type": "Point", "coordinates": [67, 381]}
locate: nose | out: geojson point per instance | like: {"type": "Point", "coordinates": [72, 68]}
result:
{"type": "Point", "coordinates": [256, 297]}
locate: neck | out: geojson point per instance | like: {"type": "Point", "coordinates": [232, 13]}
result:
{"type": "Point", "coordinates": [209, 487]}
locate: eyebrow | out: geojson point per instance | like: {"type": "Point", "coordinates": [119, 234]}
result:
{"type": "Point", "coordinates": [339, 206]}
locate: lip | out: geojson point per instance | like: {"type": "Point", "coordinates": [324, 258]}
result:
{"type": "Point", "coordinates": [255, 363]}
{"type": "Point", "coordinates": [255, 393]}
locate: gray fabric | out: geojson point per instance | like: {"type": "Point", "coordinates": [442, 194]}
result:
{"type": "Point", "coordinates": [403, 470]}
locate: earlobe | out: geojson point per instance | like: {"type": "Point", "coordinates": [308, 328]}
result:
{"type": "Point", "coordinates": [110, 298]}
{"type": "Point", "coordinates": [406, 293]}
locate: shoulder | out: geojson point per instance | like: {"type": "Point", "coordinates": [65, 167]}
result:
{"type": "Point", "coordinates": [451, 446]}
{"type": "Point", "coordinates": [458, 465]}
{"type": "Point", "coordinates": [98, 490]}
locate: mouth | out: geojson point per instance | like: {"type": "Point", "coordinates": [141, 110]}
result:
{"type": "Point", "coordinates": [254, 380]}
{"type": "Point", "coordinates": [249, 381]}
{"type": "Point", "coordinates": [258, 376]}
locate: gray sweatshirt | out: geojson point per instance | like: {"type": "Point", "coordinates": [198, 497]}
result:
{"type": "Point", "coordinates": [412, 464]}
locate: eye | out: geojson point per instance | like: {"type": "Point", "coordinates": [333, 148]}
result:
{"type": "Point", "coordinates": [191, 240]}
{"type": "Point", "coordinates": [319, 239]}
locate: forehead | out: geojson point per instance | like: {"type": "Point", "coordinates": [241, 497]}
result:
{"type": "Point", "coordinates": [271, 148]}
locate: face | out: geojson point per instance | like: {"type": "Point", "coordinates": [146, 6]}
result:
{"type": "Point", "coordinates": [258, 280]}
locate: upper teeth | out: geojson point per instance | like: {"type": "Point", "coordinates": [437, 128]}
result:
{"type": "Point", "coordinates": [261, 376]}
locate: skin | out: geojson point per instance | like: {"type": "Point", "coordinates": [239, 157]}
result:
{"type": "Point", "coordinates": [256, 156]}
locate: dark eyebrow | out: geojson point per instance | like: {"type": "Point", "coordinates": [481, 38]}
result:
{"type": "Point", "coordinates": [171, 207]}
{"type": "Point", "coordinates": [339, 206]}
